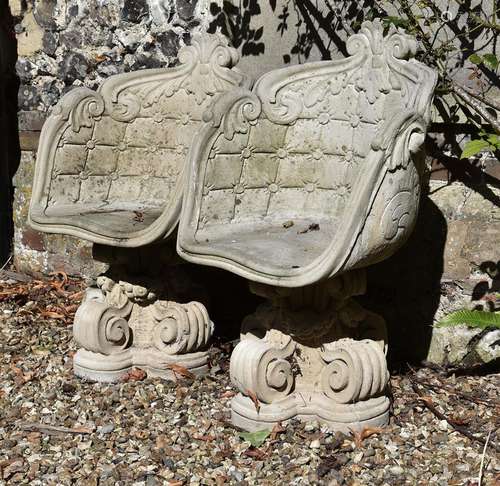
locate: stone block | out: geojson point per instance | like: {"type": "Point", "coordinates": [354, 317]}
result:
{"type": "Point", "coordinates": [30, 40]}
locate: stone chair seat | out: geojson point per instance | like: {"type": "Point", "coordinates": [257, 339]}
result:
{"type": "Point", "coordinates": [315, 171]}
{"type": "Point", "coordinates": [110, 163]}
{"type": "Point", "coordinates": [274, 245]}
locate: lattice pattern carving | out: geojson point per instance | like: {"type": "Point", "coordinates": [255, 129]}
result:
{"type": "Point", "coordinates": [110, 162]}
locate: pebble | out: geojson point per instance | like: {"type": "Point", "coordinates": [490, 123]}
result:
{"type": "Point", "coordinates": [315, 444]}
{"type": "Point", "coordinates": [106, 429]}
{"type": "Point", "coordinates": [140, 443]}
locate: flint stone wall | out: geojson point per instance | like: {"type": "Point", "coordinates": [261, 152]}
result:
{"type": "Point", "coordinates": [67, 43]}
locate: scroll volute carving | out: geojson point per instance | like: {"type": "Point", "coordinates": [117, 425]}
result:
{"type": "Point", "coordinates": [110, 162]}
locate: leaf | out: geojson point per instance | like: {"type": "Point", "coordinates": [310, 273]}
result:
{"type": "Point", "coordinates": [493, 139]}
{"type": "Point", "coordinates": [471, 318]}
{"type": "Point", "coordinates": [475, 59]}
{"type": "Point", "coordinates": [258, 454]}
{"type": "Point", "coordinates": [277, 429]}
{"type": "Point", "coordinates": [135, 374]}
{"type": "Point", "coordinates": [396, 21]}
{"type": "Point", "coordinates": [491, 59]}
{"type": "Point", "coordinates": [366, 432]}
{"type": "Point", "coordinates": [256, 439]}
{"type": "Point", "coordinates": [180, 370]}
{"type": "Point", "coordinates": [254, 399]}
{"type": "Point", "coordinates": [52, 314]}
{"type": "Point", "coordinates": [473, 147]}
{"type": "Point", "coordinates": [272, 3]}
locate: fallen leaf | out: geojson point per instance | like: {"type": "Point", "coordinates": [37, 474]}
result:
{"type": "Point", "coordinates": [180, 370]}
{"type": "Point", "coordinates": [366, 432]}
{"type": "Point", "coordinates": [135, 374]}
{"type": "Point", "coordinates": [221, 479]}
{"type": "Point", "coordinates": [277, 429]}
{"type": "Point", "coordinates": [204, 438]}
{"type": "Point", "coordinates": [257, 438]}
{"type": "Point", "coordinates": [254, 399]}
{"type": "Point", "coordinates": [255, 453]}
{"type": "Point", "coordinates": [52, 314]}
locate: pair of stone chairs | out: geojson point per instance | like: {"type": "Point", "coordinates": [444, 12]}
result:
{"type": "Point", "coordinates": [296, 184]}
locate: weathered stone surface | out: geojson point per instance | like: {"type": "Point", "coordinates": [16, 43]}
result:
{"type": "Point", "coordinates": [461, 346]}
{"type": "Point", "coordinates": [297, 186]}
{"type": "Point", "coordinates": [35, 252]}
{"type": "Point", "coordinates": [30, 41]}
{"type": "Point", "coordinates": [66, 43]}
{"type": "Point", "coordinates": [111, 163]}
{"type": "Point", "coordinates": [110, 170]}
{"type": "Point", "coordinates": [124, 325]}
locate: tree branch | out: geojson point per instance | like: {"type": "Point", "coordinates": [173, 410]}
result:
{"type": "Point", "coordinates": [476, 105]}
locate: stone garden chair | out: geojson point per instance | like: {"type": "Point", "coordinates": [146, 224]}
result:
{"type": "Point", "coordinates": [298, 185]}
{"type": "Point", "coordinates": [110, 169]}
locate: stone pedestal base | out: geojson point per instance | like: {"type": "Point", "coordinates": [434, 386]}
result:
{"type": "Point", "coordinates": [120, 326]}
{"type": "Point", "coordinates": [314, 354]}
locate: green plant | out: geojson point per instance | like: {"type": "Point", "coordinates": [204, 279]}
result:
{"type": "Point", "coordinates": [472, 318]}
{"type": "Point", "coordinates": [256, 439]}
{"type": "Point", "coordinates": [489, 142]}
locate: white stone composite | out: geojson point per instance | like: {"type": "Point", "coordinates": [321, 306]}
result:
{"type": "Point", "coordinates": [298, 185]}
{"type": "Point", "coordinates": [110, 169]}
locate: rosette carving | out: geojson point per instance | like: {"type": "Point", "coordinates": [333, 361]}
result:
{"type": "Point", "coordinates": [180, 328]}
{"type": "Point", "coordinates": [356, 370]}
{"type": "Point", "coordinates": [261, 367]}
{"type": "Point", "coordinates": [100, 327]}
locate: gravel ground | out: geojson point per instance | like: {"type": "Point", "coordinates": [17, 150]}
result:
{"type": "Point", "coordinates": [57, 429]}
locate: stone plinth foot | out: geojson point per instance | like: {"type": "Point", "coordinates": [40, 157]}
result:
{"type": "Point", "coordinates": [312, 354]}
{"type": "Point", "coordinates": [120, 326]}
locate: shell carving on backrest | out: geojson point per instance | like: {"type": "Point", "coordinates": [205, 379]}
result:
{"type": "Point", "coordinates": [110, 162]}
{"type": "Point", "coordinates": [325, 146]}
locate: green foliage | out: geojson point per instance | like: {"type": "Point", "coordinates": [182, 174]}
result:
{"type": "Point", "coordinates": [472, 318]}
{"type": "Point", "coordinates": [256, 439]}
{"type": "Point", "coordinates": [396, 21]}
{"type": "Point", "coordinates": [488, 141]}
{"type": "Point", "coordinates": [475, 59]}
{"type": "Point", "coordinates": [489, 60]}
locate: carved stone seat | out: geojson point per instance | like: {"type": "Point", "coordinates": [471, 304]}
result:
{"type": "Point", "coordinates": [110, 169]}
{"type": "Point", "coordinates": [110, 163]}
{"type": "Point", "coordinates": [297, 185]}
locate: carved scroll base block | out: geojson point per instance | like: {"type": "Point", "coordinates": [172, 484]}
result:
{"type": "Point", "coordinates": [313, 353]}
{"type": "Point", "coordinates": [113, 368]}
{"type": "Point", "coordinates": [121, 326]}
{"type": "Point", "coordinates": [310, 406]}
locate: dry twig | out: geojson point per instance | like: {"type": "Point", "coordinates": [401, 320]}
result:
{"type": "Point", "coordinates": [53, 429]}
{"type": "Point", "coordinates": [427, 401]}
